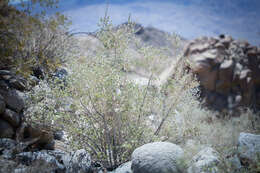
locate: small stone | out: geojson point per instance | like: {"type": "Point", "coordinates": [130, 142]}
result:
{"type": "Point", "coordinates": [5, 74]}
{"type": "Point", "coordinates": [227, 64]}
{"type": "Point", "coordinates": [238, 98]}
{"type": "Point", "coordinates": [244, 74]}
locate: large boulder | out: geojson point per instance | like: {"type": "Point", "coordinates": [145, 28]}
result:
{"type": "Point", "coordinates": [249, 148]}
{"type": "Point", "coordinates": [206, 161]}
{"type": "Point", "coordinates": [157, 157]}
{"type": "Point", "coordinates": [228, 71]}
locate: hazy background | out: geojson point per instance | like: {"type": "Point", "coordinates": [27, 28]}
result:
{"type": "Point", "coordinates": [189, 18]}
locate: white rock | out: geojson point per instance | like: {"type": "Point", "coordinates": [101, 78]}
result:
{"type": "Point", "coordinates": [157, 157]}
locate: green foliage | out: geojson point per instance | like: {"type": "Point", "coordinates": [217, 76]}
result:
{"type": "Point", "coordinates": [111, 119]}
{"type": "Point", "coordinates": [29, 40]}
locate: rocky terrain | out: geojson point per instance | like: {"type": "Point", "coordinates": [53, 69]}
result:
{"type": "Point", "coordinates": [229, 74]}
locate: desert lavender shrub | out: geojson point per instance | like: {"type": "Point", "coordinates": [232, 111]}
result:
{"type": "Point", "coordinates": [111, 110]}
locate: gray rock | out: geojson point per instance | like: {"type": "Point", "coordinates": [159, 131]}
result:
{"type": "Point", "coordinates": [11, 117]}
{"type": "Point", "coordinates": [78, 161]}
{"type": "Point", "coordinates": [157, 157]}
{"type": "Point", "coordinates": [14, 99]}
{"type": "Point", "coordinates": [33, 81]}
{"type": "Point", "coordinates": [6, 166]}
{"type": "Point", "coordinates": [6, 130]}
{"type": "Point", "coordinates": [124, 168]}
{"type": "Point", "coordinates": [27, 158]}
{"type": "Point", "coordinates": [2, 105]}
{"type": "Point", "coordinates": [8, 146]}
{"type": "Point", "coordinates": [7, 143]}
{"type": "Point", "coordinates": [3, 85]}
{"type": "Point", "coordinates": [5, 72]}
{"type": "Point", "coordinates": [249, 147]}
{"type": "Point", "coordinates": [206, 161]}
{"type": "Point", "coordinates": [61, 73]}
{"type": "Point", "coordinates": [62, 136]}
{"type": "Point", "coordinates": [58, 135]}
{"type": "Point", "coordinates": [234, 163]}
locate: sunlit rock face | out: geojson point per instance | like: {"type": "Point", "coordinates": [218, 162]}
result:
{"type": "Point", "coordinates": [228, 71]}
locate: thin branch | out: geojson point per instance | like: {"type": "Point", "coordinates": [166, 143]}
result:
{"type": "Point", "coordinates": [107, 136]}
{"type": "Point", "coordinates": [163, 120]}
{"type": "Point", "coordinates": [145, 95]}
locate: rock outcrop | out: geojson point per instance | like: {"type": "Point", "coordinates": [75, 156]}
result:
{"type": "Point", "coordinates": [12, 103]}
{"type": "Point", "coordinates": [157, 157]}
{"type": "Point", "coordinates": [228, 71]}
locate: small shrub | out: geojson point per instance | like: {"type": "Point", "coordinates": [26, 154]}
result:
{"type": "Point", "coordinates": [32, 41]}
